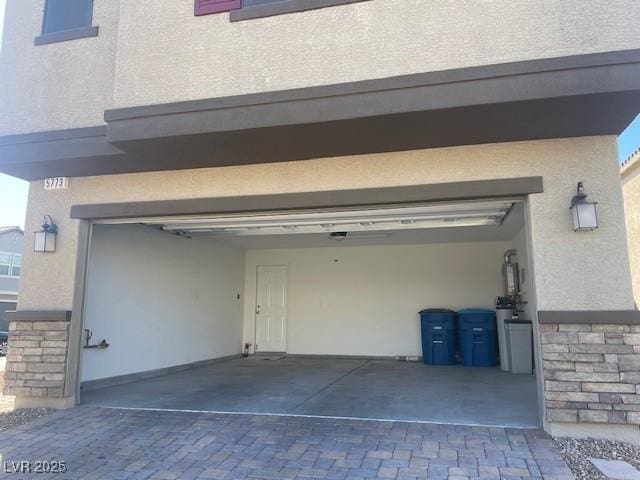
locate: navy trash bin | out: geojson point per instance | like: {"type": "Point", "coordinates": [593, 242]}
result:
{"type": "Point", "coordinates": [438, 327]}
{"type": "Point", "coordinates": [478, 337]}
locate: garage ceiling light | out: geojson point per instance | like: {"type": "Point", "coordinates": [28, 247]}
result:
{"type": "Point", "coordinates": [354, 220]}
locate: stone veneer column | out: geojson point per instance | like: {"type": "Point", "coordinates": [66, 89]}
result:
{"type": "Point", "coordinates": [37, 358]}
{"type": "Point", "coordinates": [591, 373]}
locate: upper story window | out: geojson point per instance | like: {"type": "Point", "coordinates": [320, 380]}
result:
{"type": "Point", "coordinates": [66, 20]}
{"type": "Point", "coordinates": [60, 15]}
{"type": "Point", "coordinates": [10, 264]}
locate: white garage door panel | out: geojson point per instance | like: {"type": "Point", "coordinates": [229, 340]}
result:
{"type": "Point", "coordinates": [439, 215]}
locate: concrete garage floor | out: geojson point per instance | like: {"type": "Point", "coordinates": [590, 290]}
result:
{"type": "Point", "coordinates": [374, 389]}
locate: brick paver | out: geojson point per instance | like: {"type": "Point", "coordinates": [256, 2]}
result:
{"type": "Point", "coordinates": [100, 443]}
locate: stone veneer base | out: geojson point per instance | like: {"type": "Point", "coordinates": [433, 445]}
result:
{"type": "Point", "coordinates": [605, 431]}
{"type": "Point", "coordinates": [44, 402]}
{"type": "Point", "coordinates": [591, 373]}
{"type": "Point", "coordinates": [36, 365]}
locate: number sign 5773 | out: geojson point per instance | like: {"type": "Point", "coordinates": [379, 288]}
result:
{"type": "Point", "coordinates": [56, 183]}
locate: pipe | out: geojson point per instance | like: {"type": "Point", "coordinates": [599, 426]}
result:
{"type": "Point", "coordinates": [508, 254]}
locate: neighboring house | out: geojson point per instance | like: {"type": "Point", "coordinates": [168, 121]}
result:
{"type": "Point", "coordinates": [306, 179]}
{"type": "Point", "coordinates": [10, 265]}
{"type": "Point", "coordinates": [631, 189]}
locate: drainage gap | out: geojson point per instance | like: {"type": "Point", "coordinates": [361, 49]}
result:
{"type": "Point", "coordinates": [353, 370]}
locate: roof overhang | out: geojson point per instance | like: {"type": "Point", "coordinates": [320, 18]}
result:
{"type": "Point", "coordinates": [12, 229]}
{"type": "Point", "coordinates": [69, 153]}
{"type": "Point", "coordinates": [594, 94]}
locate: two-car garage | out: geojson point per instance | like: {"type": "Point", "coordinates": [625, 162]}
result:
{"type": "Point", "coordinates": [325, 301]}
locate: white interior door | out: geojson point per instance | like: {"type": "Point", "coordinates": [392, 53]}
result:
{"type": "Point", "coordinates": [271, 309]}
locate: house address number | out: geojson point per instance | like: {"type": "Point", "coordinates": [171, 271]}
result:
{"type": "Point", "coordinates": [56, 183]}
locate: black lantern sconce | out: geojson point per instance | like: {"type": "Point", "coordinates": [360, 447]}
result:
{"type": "Point", "coordinates": [45, 240]}
{"type": "Point", "coordinates": [584, 213]}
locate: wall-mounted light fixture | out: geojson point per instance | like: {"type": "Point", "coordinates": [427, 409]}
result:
{"type": "Point", "coordinates": [45, 240]}
{"type": "Point", "coordinates": [584, 213]}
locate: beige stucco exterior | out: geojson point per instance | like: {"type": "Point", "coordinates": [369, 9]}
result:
{"type": "Point", "coordinates": [631, 190]}
{"type": "Point", "coordinates": [60, 85]}
{"type": "Point", "coordinates": [567, 277]}
{"type": "Point", "coordinates": [167, 54]}
{"type": "Point", "coordinates": [149, 54]}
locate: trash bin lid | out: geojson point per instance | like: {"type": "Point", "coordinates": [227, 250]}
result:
{"type": "Point", "coordinates": [476, 311]}
{"type": "Point", "coordinates": [436, 310]}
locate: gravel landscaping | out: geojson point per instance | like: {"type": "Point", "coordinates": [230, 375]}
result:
{"type": "Point", "coordinates": [21, 416]}
{"type": "Point", "coordinates": [577, 453]}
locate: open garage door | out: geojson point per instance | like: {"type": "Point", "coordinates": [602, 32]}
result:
{"type": "Point", "coordinates": [393, 217]}
{"type": "Point", "coordinates": [324, 301]}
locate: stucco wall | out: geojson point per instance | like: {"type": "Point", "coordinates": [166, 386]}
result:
{"type": "Point", "coordinates": [166, 54]}
{"type": "Point", "coordinates": [11, 242]}
{"type": "Point", "coordinates": [8, 284]}
{"type": "Point", "coordinates": [60, 85]}
{"type": "Point", "coordinates": [365, 300]}
{"type": "Point", "coordinates": [631, 189]}
{"type": "Point", "coordinates": [570, 271]}
{"type": "Point", "coordinates": [160, 300]}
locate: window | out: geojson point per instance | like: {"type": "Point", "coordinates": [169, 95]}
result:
{"type": "Point", "coordinates": [5, 264]}
{"type": "Point", "coordinates": [10, 264]}
{"type": "Point", "coordinates": [15, 266]}
{"type": "Point", "coordinates": [62, 15]}
{"type": "Point", "coordinates": [66, 20]}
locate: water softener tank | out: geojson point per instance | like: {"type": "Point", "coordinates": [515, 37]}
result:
{"type": "Point", "coordinates": [510, 275]}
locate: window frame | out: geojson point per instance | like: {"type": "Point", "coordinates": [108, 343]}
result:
{"type": "Point", "coordinates": [87, 30]}
{"type": "Point", "coordinates": [247, 4]}
{"type": "Point", "coordinates": [8, 265]}
{"type": "Point", "coordinates": [11, 265]}
{"type": "Point", "coordinates": [284, 7]}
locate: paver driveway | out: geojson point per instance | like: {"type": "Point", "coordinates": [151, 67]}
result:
{"type": "Point", "coordinates": [102, 443]}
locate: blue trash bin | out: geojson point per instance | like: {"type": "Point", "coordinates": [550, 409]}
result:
{"type": "Point", "coordinates": [438, 336]}
{"type": "Point", "coordinates": [478, 337]}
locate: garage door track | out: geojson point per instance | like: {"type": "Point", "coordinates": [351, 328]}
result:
{"type": "Point", "coordinates": [107, 443]}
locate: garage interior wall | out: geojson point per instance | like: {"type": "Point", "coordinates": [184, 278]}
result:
{"type": "Point", "coordinates": [160, 300]}
{"type": "Point", "coordinates": [364, 300]}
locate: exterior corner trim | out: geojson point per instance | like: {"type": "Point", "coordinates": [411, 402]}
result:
{"type": "Point", "coordinates": [39, 316]}
{"type": "Point", "coordinates": [453, 191]}
{"type": "Point", "coordinates": [594, 317]}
